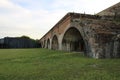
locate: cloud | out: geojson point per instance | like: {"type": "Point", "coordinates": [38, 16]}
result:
{"type": "Point", "coordinates": [35, 17]}
{"type": "Point", "coordinates": [16, 20]}
{"type": "Point", "coordinates": [81, 6]}
{"type": "Point", "coordinates": [12, 14]}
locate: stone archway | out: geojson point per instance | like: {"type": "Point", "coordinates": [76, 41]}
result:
{"type": "Point", "coordinates": [44, 43]}
{"type": "Point", "coordinates": [73, 41]}
{"type": "Point", "coordinates": [48, 43]}
{"type": "Point", "coordinates": [55, 43]}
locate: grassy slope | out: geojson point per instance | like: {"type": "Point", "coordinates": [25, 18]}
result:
{"type": "Point", "coordinates": [42, 64]}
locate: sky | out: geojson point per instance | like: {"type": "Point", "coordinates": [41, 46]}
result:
{"type": "Point", "coordinates": [34, 18]}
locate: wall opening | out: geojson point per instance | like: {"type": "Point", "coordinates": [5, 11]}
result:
{"type": "Point", "coordinates": [73, 41]}
{"type": "Point", "coordinates": [55, 43]}
{"type": "Point", "coordinates": [48, 44]}
{"type": "Point", "coordinates": [44, 43]}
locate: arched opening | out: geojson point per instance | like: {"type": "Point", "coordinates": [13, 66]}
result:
{"type": "Point", "coordinates": [73, 41]}
{"type": "Point", "coordinates": [55, 43]}
{"type": "Point", "coordinates": [41, 44]}
{"type": "Point", "coordinates": [44, 43]}
{"type": "Point", "coordinates": [48, 44]}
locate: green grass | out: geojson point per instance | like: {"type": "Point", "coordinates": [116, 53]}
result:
{"type": "Point", "coordinates": [43, 64]}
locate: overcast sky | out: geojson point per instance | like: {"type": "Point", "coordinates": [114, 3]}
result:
{"type": "Point", "coordinates": [35, 17]}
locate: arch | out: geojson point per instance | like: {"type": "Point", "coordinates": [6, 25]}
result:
{"type": "Point", "coordinates": [44, 43]}
{"type": "Point", "coordinates": [72, 40]}
{"type": "Point", "coordinates": [55, 43]}
{"type": "Point", "coordinates": [41, 44]}
{"type": "Point", "coordinates": [48, 43]}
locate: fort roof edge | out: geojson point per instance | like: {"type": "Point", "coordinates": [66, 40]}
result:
{"type": "Point", "coordinates": [71, 14]}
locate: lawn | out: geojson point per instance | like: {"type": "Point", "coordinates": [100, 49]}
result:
{"type": "Point", "coordinates": [43, 64]}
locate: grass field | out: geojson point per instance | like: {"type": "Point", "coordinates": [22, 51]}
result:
{"type": "Point", "coordinates": [43, 64]}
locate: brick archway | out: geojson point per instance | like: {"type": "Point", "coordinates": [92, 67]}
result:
{"type": "Point", "coordinates": [54, 44]}
{"type": "Point", "coordinates": [72, 40]}
{"type": "Point", "coordinates": [44, 43]}
{"type": "Point", "coordinates": [48, 43]}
